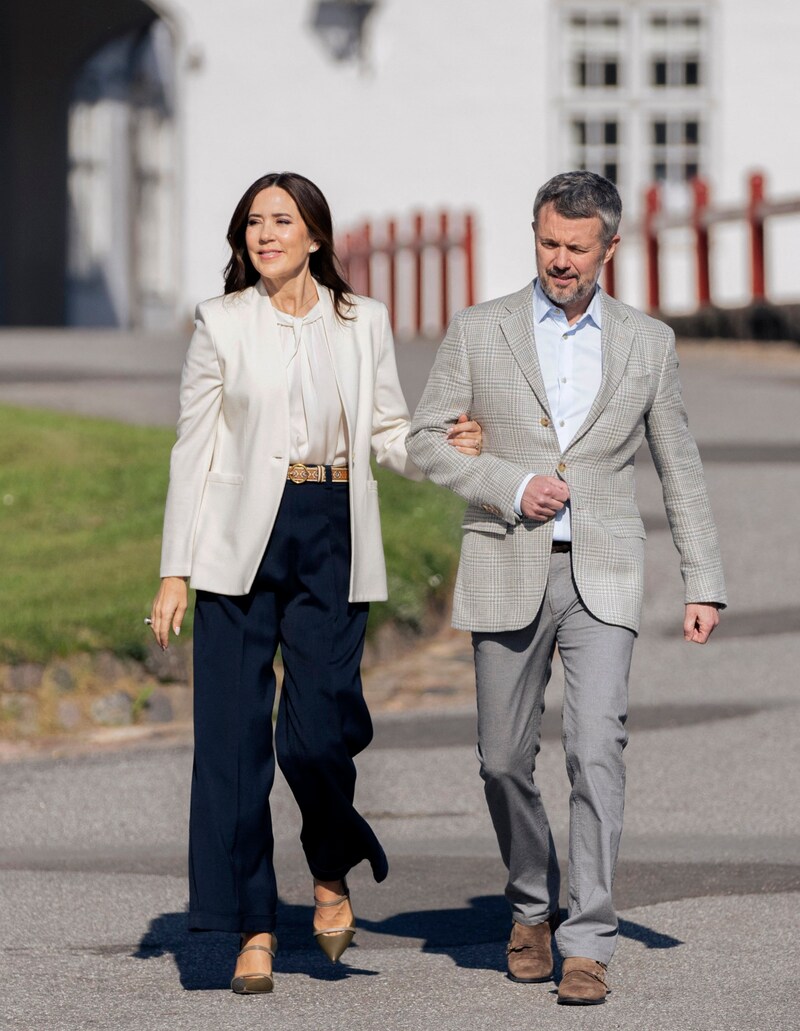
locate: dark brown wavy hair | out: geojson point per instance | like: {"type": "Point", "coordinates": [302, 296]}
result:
{"type": "Point", "coordinates": [323, 263]}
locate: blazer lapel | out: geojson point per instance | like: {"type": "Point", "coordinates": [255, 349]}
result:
{"type": "Point", "coordinates": [617, 340]}
{"type": "Point", "coordinates": [517, 327]}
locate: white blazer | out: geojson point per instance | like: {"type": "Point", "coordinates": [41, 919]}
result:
{"type": "Point", "coordinates": [229, 464]}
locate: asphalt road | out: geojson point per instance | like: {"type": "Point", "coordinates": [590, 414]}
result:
{"type": "Point", "coordinates": [92, 848]}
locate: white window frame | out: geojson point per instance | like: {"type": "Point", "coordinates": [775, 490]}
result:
{"type": "Point", "coordinates": [635, 104]}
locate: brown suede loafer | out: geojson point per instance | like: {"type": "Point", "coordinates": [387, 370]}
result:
{"type": "Point", "coordinates": [530, 956]}
{"type": "Point", "coordinates": [583, 982]}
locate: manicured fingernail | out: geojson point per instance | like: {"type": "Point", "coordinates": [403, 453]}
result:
{"type": "Point", "coordinates": [177, 630]}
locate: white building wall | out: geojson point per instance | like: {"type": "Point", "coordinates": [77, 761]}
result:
{"type": "Point", "coordinates": [453, 105]}
{"type": "Point", "coordinates": [758, 115]}
{"type": "Point", "coordinates": [441, 112]}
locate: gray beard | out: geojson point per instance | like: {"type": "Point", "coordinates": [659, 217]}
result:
{"type": "Point", "coordinates": [578, 294]}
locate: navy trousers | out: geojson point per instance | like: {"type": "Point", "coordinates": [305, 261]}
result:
{"type": "Point", "coordinates": [298, 601]}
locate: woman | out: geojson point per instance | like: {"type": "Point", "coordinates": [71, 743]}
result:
{"type": "Point", "coordinates": [289, 384]}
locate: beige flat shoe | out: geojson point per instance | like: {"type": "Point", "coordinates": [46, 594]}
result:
{"type": "Point", "coordinates": [255, 984]}
{"type": "Point", "coordinates": [334, 940]}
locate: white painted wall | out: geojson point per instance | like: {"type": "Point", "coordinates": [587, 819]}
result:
{"type": "Point", "coordinates": [453, 106]}
{"type": "Point", "coordinates": [757, 130]}
{"type": "Point", "coordinates": [440, 114]}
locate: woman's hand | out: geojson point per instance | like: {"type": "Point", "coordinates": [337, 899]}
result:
{"type": "Point", "coordinates": [466, 435]}
{"type": "Point", "coordinates": [169, 608]}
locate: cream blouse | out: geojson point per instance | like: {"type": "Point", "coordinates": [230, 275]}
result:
{"type": "Point", "coordinates": [317, 427]}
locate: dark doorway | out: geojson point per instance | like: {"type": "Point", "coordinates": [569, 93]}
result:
{"type": "Point", "coordinates": [52, 59]}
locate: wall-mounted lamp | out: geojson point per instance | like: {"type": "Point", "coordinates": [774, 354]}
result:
{"type": "Point", "coordinates": [340, 26]}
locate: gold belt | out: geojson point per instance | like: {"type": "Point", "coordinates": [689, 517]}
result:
{"type": "Point", "coordinates": [299, 473]}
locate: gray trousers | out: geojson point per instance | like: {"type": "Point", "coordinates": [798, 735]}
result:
{"type": "Point", "coordinates": [512, 670]}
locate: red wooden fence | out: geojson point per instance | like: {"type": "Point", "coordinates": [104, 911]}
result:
{"type": "Point", "coordinates": [702, 219]}
{"type": "Point", "coordinates": [407, 264]}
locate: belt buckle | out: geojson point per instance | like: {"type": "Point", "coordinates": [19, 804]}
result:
{"type": "Point", "coordinates": [298, 473]}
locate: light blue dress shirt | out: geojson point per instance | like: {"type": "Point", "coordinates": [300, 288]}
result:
{"type": "Point", "coordinates": [571, 360]}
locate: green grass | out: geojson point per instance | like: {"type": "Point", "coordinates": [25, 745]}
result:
{"type": "Point", "coordinates": [81, 503]}
{"type": "Point", "coordinates": [421, 540]}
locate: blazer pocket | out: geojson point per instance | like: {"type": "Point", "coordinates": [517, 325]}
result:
{"type": "Point", "coordinates": [627, 526]}
{"type": "Point", "coordinates": [233, 479]}
{"type": "Point", "coordinates": [637, 386]}
{"type": "Point", "coordinates": [639, 377]}
{"type": "Point", "coordinates": [476, 518]}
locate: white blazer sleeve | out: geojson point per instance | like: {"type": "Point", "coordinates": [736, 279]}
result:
{"type": "Point", "coordinates": [390, 419]}
{"type": "Point", "coordinates": [200, 404]}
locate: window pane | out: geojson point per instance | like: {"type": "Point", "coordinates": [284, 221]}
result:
{"type": "Point", "coordinates": [691, 74]}
{"type": "Point", "coordinates": [580, 71]}
{"type": "Point", "coordinates": [578, 20]}
{"type": "Point", "coordinates": [691, 132]}
{"type": "Point", "coordinates": [690, 170]}
{"type": "Point", "coordinates": [610, 170]}
{"type": "Point", "coordinates": [610, 73]}
{"type": "Point", "coordinates": [658, 21]}
{"type": "Point", "coordinates": [659, 133]}
{"type": "Point", "coordinates": [610, 132]}
{"type": "Point", "coordinates": [579, 133]}
{"type": "Point", "coordinates": [659, 170]}
{"type": "Point", "coordinates": [659, 73]}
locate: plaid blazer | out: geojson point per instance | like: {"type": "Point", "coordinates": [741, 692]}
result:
{"type": "Point", "coordinates": [487, 366]}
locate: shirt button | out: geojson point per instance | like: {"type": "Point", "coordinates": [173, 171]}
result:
{"type": "Point", "coordinates": [561, 423]}
{"type": "Point", "coordinates": [564, 336]}
{"type": "Point", "coordinates": [563, 379]}
{"type": "Point", "coordinates": [561, 467]}
{"type": "Point", "coordinates": [544, 421]}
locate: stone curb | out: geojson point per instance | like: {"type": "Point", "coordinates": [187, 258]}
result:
{"type": "Point", "coordinates": [118, 703]}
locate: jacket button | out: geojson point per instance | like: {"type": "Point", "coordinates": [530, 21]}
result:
{"type": "Point", "coordinates": [544, 421]}
{"type": "Point", "coordinates": [561, 467]}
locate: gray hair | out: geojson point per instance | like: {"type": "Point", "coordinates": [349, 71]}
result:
{"type": "Point", "coordinates": [582, 195]}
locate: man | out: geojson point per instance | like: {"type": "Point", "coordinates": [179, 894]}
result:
{"type": "Point", "coordinates": [566, 382]}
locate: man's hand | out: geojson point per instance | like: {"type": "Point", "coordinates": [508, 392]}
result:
{"type": "Point", "coordinates": [543, 497]}
{"type": "Point", "coordinates": [699, 622]}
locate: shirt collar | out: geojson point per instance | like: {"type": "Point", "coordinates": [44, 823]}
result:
{"type": "Point", "coordinates": [285, 319]}
{"type": "Point", "coordinates": [544, 308]}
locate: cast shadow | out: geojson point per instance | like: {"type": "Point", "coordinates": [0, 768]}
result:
{"type": "Point", "coordinates": [205, 960]}
{"type": "Point", "coordinates": [472, 936]}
